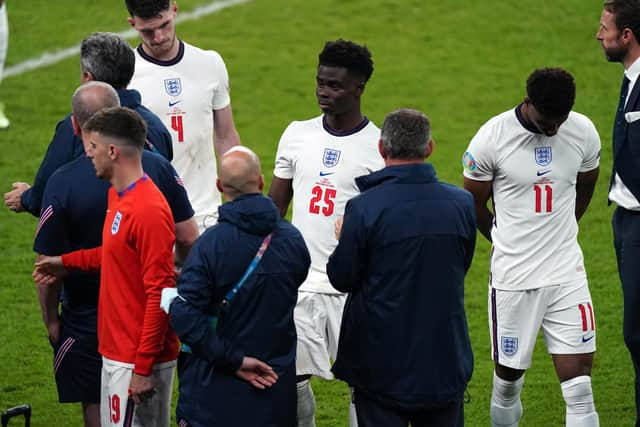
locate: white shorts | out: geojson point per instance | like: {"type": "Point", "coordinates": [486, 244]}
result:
{"type": "Point", "coordinates": [117, 410]}
{"type": "Point", "coordinates": [317, 318]}
{"type": "Point", "coordinates": [565, 313]}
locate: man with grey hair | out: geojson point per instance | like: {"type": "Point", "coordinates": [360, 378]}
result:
{"type": "Point", "coordinates": [75, 201]}
{"type": "Point", "coordinates": [404, 248]}
{"type": "Point", "coordinates": [104, 57]}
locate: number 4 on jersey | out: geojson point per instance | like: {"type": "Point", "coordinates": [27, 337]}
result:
{"type": "Point", "coordinates": [176, 124]}
{"type": "Point", "coordinates": [324, 197]}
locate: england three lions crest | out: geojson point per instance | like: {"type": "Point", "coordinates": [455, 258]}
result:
{"type": "Point", "coordinates": [509, 345]}
{"type": "Point", "coordinates": [543, 156]}
{"type": "Point", "coordinates": [115, 225]}
{"type": "Point", "coordinates": [173, 86]}
{"type": "Point", "coordinates": [331, 157]}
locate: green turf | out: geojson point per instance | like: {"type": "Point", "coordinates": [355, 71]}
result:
{"type": "Point", "coordinates": [460, 62]}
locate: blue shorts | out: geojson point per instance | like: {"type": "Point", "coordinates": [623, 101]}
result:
{"type": "Point", "coordinates": [76, 366]}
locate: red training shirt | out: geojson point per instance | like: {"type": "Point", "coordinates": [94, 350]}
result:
{"type": "Point", "coordinates": [136, 263]}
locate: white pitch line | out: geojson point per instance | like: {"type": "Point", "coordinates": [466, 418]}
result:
{"type": "Point", "coordinates": [50, 58]}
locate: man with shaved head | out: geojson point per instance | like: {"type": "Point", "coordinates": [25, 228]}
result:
{"type": "Point", "coordinates": [234, 308]}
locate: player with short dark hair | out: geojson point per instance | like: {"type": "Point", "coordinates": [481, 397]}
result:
{"type": "Point", "coordinates": [138, 348]}
{"type": "Point", "coordinates": [188, 88]}
{"type": "Point", "coordinates": [539, 165]}
{"type": "Point", "coordinates": [105, 57]}
{"type": "Point", "coordinates": [316, 165]}
{"type": "Point", "coordinates": [76, 203]}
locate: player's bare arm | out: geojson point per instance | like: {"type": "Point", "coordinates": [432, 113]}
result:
{"type": "Point", "coordinates": [224, 131]}
{"type": "Point", "coordinates": [481, 191]}
{"type": "Point", "coordinates": [585, 185]}
{"type": "Point", "coordinates": [12, 198]}
{"type": "Point", "coordinates": [48, 296]}
{"type": "Point", "coordinates": [186, 235]}
{"type": "Point", "coordinates": [281, 192]}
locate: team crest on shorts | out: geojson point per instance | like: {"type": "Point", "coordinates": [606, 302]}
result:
{"type": "Point", "coordinates": [543, 156]}
{"type": "Point", "coordinates": [509, 345]}
{"type": "Point", "coordinates": [115, 225]}
{"type": "Point", "coordinates": [331, 157]}
{"type": "Point", "coordinates": [173, 86]}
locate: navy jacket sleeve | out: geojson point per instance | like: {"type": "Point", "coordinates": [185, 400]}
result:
{"type": "Point", "coordinates": [347, 264]}
{"type": "Point", "coordinates": [52, 232]}
{"type": "Point", "coordinates": [64, 147]}
{"type": "Point", "coordinates": [190, 314]}
{"type": "Point", "coordinates": [470, 242]}
{"type": "Point", "coordinates": [170, 184]}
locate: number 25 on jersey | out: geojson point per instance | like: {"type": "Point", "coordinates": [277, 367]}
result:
{"type": "Point", "coordinates": [322, 200]}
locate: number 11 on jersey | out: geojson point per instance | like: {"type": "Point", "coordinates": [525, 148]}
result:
{"type": "Point", "coordinates": [543, 198]}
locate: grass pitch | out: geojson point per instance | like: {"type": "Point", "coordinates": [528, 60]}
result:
{"type": "Point", "coordinates": [459, 62]}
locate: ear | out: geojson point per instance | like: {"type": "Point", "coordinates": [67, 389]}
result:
{"type": "Point", "coordinates": [381, 150]}
{"type": "Point", "coordinates": [360, 88]}
{"type": "Point", "coordinates": [219, 186]}
{"type": "Point", "coordinates": [86, 76]}
{"type": "Point", "coordinates": [114, 153]}
{"type": "Point", "coordinates": [430, 146]}
{"type": "Point", "coordinates": [76, 127]}
{"type": "Point", "coordinates": [174, 7]}
{"type": "Point", "coordinates": [261, 183]}
{"type": "Point", "coordinates": [131, 21]}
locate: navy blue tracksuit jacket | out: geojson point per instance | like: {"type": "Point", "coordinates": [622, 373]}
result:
{"type": "Point", "coordinates": [258, 323]}
{"type": "Point", "coordinates": [406, 244]}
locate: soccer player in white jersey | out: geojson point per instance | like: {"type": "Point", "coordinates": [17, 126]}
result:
{"type": "Point", "coordinates": [539, 164]}
{"type": "Point", "coordinates": [188, 88]}
{"type": "Point", "coordinates": [316, 165]}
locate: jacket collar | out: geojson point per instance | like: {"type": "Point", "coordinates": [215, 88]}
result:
{"type": "Point", "coordinates": [129, 98]}
{"type": "Point", "coordinates": [253, 213]}
{"type": "Point", "coordinates": [412, 173]}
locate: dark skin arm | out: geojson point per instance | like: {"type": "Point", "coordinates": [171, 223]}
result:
{"type": "Point", "coordinates": [281, 191]}
{"type": "Point", "coordinates": [585, 185]}
{"type": "Point", "coordinates": [481, 191]}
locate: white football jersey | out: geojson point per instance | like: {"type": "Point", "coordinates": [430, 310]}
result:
{"type": "Point", "coordinates": [535, 230]}
{"type": "Point", "coordinates": [184, 92]}
{"type": "Point", "coordinates": [323, 166]}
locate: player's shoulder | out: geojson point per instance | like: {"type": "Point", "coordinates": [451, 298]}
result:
{"type": "Point", "coordinates": [580, 120]}
{"type": "Point", "coordinates": [194, 53]}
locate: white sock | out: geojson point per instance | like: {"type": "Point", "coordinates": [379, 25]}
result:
{"type": "Point", "coordinates": [4, 37]}
{"type": "Point", "coordinates": [506, 407]}
{"type": "Point", "coordinates": [306, 404]}
{"type": "Point", "coordinates": [353, 418]}
{"type": "Point", "coordinates": [581, 412]}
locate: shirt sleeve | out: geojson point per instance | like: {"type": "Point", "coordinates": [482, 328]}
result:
{"type": "Point", "coordinates": [479, 161]}
{"type": "Point", "coordinates": [591, 158]}
{"type": "Point", "coordinates": [53, 229]}
{"type": "Point", "coordinates": [221, 97]}
{"type": "Point", "coordinates": [347, 263]}
{"type": "Point", "coordinates": [154, 238]}
{"type": "Point", "coordinates": [63, 148]}
{"type": "Point", "coordinates": [284, 164]}
{"type": "Point", "coordinates": [84, 259]}
{"type": "Point", "coordinates": [172, 187]}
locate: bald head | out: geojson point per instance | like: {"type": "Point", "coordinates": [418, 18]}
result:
{"type": "Point", "coordinates": [240, 173]}
{"type": "Point", "coordinates": [90, 98]}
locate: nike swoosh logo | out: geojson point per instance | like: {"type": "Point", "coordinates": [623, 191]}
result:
{"type": "Point", "coordinates": [540, 173]}
{"type": "Point", "coordinates": [587, 339]}
{"type": "Point", "coordinates": [326, 173]}
{"type": "Point", "coordinates": [171, 104]}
